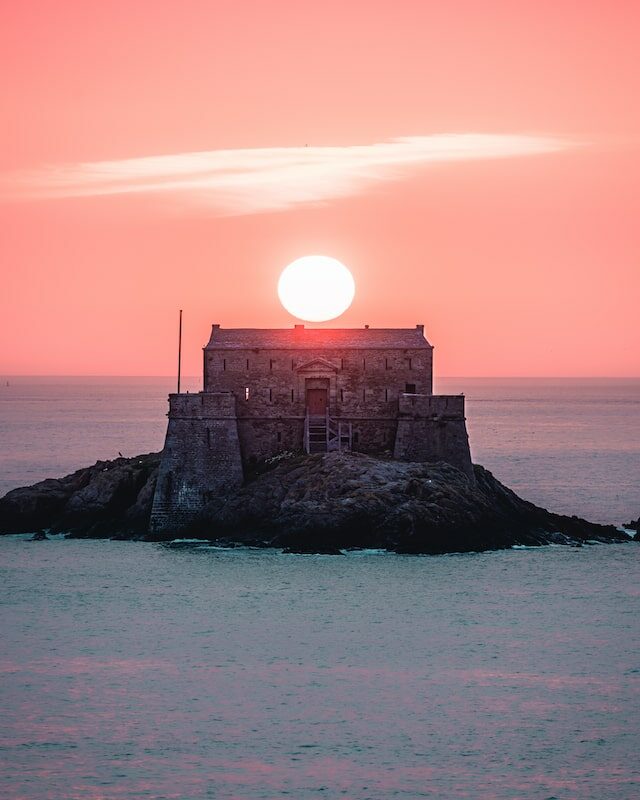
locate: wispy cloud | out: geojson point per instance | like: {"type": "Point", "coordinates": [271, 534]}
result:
{"type": "Point", "coordinates": [251, 181]}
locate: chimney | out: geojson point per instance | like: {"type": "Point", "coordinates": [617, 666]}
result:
{"type": "Point", "coordinates": [420, 328]}
{"type": "Point", "coordinates": [216, 326]}
{"type": "Point", "coordinates": [299, 327]}
{"type": "Point", "coordinates": [366, 327]}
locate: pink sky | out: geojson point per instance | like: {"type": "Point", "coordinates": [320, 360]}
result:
{"type": "Point", "coordinates": [475, 164]}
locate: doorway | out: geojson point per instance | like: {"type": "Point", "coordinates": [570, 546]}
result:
{"type": "Point", "coordinates": [317, 396]}
{"type": "Point", "coordinates": [317, 402]}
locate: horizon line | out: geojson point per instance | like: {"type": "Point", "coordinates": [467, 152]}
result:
{"type": "Point", "coordinates": [5, 376]}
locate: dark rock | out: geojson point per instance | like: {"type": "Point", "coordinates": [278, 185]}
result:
{"type": "Point", "coordinates": [39, 536]}
{"type": "Point", "coordinates": [633, 526]}
{"type": "Point", "coordinates": [108, 498]}
{"type": "Point", "coordinates": [322, 503]}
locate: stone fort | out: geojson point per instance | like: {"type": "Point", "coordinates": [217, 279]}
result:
{"type": "Point", "coordinates": [314, 390]}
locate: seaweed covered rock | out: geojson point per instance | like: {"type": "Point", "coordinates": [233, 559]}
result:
{"type": "Point", "coordinates": [109, 498]}
{"type": "Point", "coordinates": [347, 500]}
{"type": "Point", "coordinates": [320, 503]}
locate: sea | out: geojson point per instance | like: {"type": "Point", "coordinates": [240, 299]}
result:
{"type": "Point", "coordinates": [138, 670]}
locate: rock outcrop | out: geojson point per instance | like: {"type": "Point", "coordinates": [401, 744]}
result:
{"type": "Point", "coordinates": [634, 525]}
{"type": "Point", "coordinates": [317, 503]}
{"type": "Point", "coordinates": [111, 498]}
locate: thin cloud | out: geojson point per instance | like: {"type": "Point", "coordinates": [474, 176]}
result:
{"type": "Point", "coordinates": [251, 181]}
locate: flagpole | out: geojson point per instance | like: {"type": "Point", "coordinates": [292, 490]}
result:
{"type": "Point", "coordinates": [179, 348]}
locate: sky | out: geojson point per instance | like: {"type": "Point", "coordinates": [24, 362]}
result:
{"type": "Point", "coordinates": [476, 165]}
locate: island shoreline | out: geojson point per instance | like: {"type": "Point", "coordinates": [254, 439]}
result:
{"type": "Point", "coordinates": [322, 503]}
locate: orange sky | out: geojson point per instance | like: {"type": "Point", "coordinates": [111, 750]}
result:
{"type": "Point", "coordinates": [475, 164]}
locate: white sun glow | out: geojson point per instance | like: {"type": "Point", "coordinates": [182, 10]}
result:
{"type": "Point", "coordinates": [316, 288]}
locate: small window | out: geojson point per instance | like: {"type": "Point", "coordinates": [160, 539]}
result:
{"type": "Point", "coordinates": [364, 363]}
{"type": "Point", "coordinates": [270, 363]}
{"type": "Point", "coordinates": [279, 436]}
{"type": "Point", "coordinates": [208, 437]}
{"type": "Point", "coordinates": [410, 364]}
{"type": "Point", "coordinates": [355, 437]}
{"type": "Point", "coordinates": [386, 364]}
{"type": "Point", "coordinates": [364, 395]}
{"type": "Point", "coordinates": [246, 392]}
{"type": "Point", "coordinates": [342, 363]}
{"type": "Point", "coordinates": [224, 363]}
{"type": "Point", "coordinates": [270, 395]}
{"type": "Point", "coordinates": [292, 364]}
{"type": "Point", "coordinates": [410, 388]}
{"type": "Point", "coordinates": [342, 395]}
{"type": "Point", "coordinates": [386, 394]}
{"type": "Point", "coordinates": [247, 364]}
{"type": "Point", "coordinates": [292, 396]}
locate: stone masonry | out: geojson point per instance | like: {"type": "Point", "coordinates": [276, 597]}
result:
{"type": "Point", "coordinates": [268, 391]}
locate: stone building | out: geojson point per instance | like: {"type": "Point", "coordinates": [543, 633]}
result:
{"type": "Point", "coordinates": [267, 391]}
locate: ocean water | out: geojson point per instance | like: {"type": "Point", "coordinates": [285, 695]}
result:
{"type": "Point", "coordinates": [571, 445]}
{"type": "Point", "coordinates": [135, 671]}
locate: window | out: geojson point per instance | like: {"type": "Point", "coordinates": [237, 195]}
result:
{"type": "Point", "coordinates": [279, 436]}
{"type": "Point", "coordinates": [271, 395]}
{"type": "Point", "coordinates": [386, 394]}
{"type": "Point", "coordinates": [386, 364]}
{"type": "Point", "coordinates": [410, 364]}
{"type": "Point", "coordinates": [342, 363]}
{"type": "Point", "coordinates": [410, 388]}
{"type": "Point", "coordinates": [247, 364]}
{"type": "Point", "coordinates": [246, 392]}
{"type": "Point", "coordinates": [292, 395]}
{"type": "Point", "coordinates": [364, 363]}
{"type": "Point", "coordinates": [270, 363]}
{"type": "Point", "coordinates": [224, 363]}
{"type": "Point", "coordinates": [342, 395]}
{"type": "Point", "coordinates": [364, 395]}
{"type": "Point", "coordinates": [292, 364]}
{"type": "Point", "coordinates": [355, 437]}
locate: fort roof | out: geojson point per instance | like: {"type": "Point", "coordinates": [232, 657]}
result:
{"type": "Point", "coordinates": [300, 337]}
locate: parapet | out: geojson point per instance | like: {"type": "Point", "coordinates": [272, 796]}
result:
{"type": "Point", "coordinates": [203, 405]}
{"type": "Point", "coordinates": [431, 405]}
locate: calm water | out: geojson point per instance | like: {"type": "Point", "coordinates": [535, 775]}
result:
{"type": "Point", "coordinates": [134, 671]}
{"type": "Point", "coordinates": [570, 445]}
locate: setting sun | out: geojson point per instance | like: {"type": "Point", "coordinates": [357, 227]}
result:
{"type": "Point", "coordinates": [316, 288]}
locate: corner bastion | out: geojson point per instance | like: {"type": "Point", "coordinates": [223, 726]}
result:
{"type": "Point", "coordinates": [201, 457]}
{"type": "Point", "coordinates": [433, 428]}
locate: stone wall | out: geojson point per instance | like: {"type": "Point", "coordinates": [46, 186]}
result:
{"type": "Point", "coordinates": [433, 428]}
{"type": "Point", "coordinates": [362, 381]}
{"type": "Point", "coordinates": [270, 386]}
{"type": "Point", "coordinates": [201, 457]}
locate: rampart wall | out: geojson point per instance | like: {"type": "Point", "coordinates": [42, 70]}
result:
{"type": "Point", "coordinates": [201, 458]}
{"type": "Point", "coordinates": [433, 428]}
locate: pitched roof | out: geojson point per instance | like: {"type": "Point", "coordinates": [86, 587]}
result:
{"type": "Point", "coordinates": [300, 338]}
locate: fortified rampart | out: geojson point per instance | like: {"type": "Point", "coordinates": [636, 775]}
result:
{"type": "Point", "coordinates": [201, 457]}
{"type": "Point", "coordinates": [268, 391]}
{"type": "Point", "coordinates": [433, 428]}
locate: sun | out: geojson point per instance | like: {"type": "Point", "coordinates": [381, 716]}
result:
{"type": "Point", "coordinates": [316, 288]}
